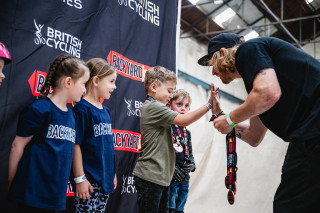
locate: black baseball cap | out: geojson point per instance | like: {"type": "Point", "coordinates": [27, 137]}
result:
{"type": "Point", "coordinates": [223, 40]}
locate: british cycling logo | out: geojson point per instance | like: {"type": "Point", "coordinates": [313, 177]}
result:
{"type": "Point", "coordinates": [146, 9]}
{"type": "Point", "coordinates": [73, 3]}
{"type": "Point", "coordinates": [137, 105]}
{"type": "Point", "coordinates": [58, 40]}
{"type": "Point", "coordinates": [128, 185]}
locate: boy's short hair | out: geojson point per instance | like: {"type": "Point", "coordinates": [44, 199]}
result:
{"type": "Point", "coordinates": [181, 93]}
{"type": "Point", "coordinates": [158, 75]}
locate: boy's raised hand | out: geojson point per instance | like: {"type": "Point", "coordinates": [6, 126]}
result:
{"type": "Point", "coordinates": [215, 99]}
{"type": "Point", "coordinates": [211, 95]}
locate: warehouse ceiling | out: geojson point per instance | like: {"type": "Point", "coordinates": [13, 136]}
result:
{"type": "Point", "coordinates": [295, 21]}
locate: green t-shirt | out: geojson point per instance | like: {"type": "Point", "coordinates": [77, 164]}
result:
{"type": "Point", "coordinates": [157, 155]}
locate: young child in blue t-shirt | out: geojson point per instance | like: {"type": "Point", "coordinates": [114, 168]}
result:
{"type": "Point", "coordinates": [179, 186]}
{"type": "Point", "coordinates": [41, 154]}
{"type": "Point", "coordinates": [94, 155]}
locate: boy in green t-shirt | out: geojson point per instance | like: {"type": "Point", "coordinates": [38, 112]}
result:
{"type": "Point", "coordinates": [154, 169]}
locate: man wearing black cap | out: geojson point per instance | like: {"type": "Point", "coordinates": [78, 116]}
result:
{"type": "Point", "coordinates": [283, 85]}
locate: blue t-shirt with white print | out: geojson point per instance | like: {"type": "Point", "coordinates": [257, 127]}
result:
{"type": "Point", "coordinates": [43, 172]}
{"type": "Point", "coordinates": [94, 134]}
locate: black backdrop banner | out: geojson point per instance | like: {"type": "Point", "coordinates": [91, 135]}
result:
{"type": "Point", "coordinates": [132, 35]}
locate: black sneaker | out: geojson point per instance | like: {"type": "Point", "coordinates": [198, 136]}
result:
{"type": "Point", "coordinates": [172, 211]}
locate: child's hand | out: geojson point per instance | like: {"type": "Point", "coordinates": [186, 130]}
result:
{"type": "Point", "coordinates": [115, 181]}
{"type": "Point", "coordinates": [214, 99]}
{"type": "Point", "coordinates": [83, 190]}
{"type": "Point", "coordinates": [188, 167]}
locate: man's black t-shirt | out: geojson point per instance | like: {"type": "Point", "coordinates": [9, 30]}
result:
{"type": "Point", "coordinates": [296, 116]}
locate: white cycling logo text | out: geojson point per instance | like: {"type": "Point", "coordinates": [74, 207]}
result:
{"type": "Point", "coordinates": [73, 3]}
{"type": "Point", "coordinates": [58, 40]}
{"type": "Point", "coordinates": [146, 9]}
{"type": "Point", "coordinates": [128, 185]}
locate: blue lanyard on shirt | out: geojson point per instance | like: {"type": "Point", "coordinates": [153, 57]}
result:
{"type": "Point", "coordinates": [149, 98]}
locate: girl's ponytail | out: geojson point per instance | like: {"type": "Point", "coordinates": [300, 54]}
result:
{"type": "Point", "coordinates": [57, 69]}
{"type": "Point", "coordinates": [98, 67]}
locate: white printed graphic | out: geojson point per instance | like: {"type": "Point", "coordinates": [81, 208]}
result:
{"type": "Point", "coordinates": [39, 39]}
{"type": "Point", "coordinates": [146, 9]}
{"type": "Point", "coordinates": [122, 2]}
{"type": "Point", "coordinates": [58, 39]}
{"type": "Point", "coordinates": [128, 185]}
{"type": "Point", "coordinates": [61, 132]}
{"type": "Point", "coordinates": [73, 3]}
{"type": "Point", "coordinates": [102, 129]}
{"type": "Point", "coordinates": [137, 105]}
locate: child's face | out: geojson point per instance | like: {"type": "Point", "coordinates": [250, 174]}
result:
{"type": "Point", "coordinates": [2, 76]}
{"type": "Point", "coordinates": [107, 85]}
{"type": "Point", "coordinates": [78, 88]}
{"type": "Point", "coordinates": [163, 92]}
{"type": "Point", "coordinates": [181, 105]}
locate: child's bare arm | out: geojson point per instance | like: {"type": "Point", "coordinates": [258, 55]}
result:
{"type": "Point", "coordinates": [190, 117]}
{"type": "Point", "coordinates": [115, 181]}
{"type": "Point", "coordinates": [83, 188]}
{"type": "Point", "coordinates": [17, 148]}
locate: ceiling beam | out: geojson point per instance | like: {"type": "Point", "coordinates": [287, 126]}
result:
{"type": "Point", "coordinates": [195, 29]}
{"type": "Point", "coordinates": [262, 25]}
{"type": "Point", "coordinates": [204, 17]}
{"type": "Point", "coordinates": [267, 9]}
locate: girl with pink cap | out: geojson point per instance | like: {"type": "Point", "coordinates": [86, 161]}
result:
{"type": "Point", "coordinates": [5, 58]}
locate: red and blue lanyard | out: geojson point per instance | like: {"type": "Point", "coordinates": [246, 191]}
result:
{"type": "Point", "coordinates": [183, 138]}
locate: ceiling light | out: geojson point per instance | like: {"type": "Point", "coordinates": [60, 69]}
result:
{"type": "Point", "coordinates": [194, 2]}
{"type": "Point", "coordinates": [218, 1]}
{"type": "Point", "coordinates": [309, 1]}
{"type": "Point", "coordinates": [224, 16]}
{"type": "Point", "coordinates": [251, 35]}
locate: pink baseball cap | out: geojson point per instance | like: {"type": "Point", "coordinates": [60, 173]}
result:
{"type": "Point", "coordinates": [4, 53]}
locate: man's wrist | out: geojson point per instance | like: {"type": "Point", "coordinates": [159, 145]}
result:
{"type": "Point", "coordinates": [214, 116]}
{"type": "Point", "coordinates": [230, 121]}
{"type": "Point", "coordinates": [218, 113]}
